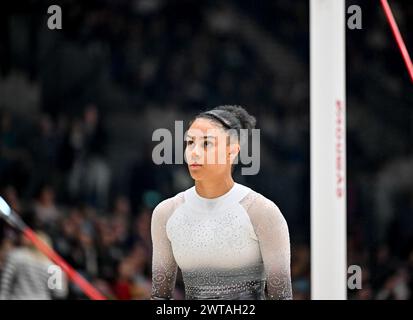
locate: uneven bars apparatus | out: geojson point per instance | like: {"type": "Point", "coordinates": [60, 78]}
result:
{"type": "Point", "coordinates": [328, 143]}
{"type": "Point", "coordinates": [398, 37]}
{"type": "Point", "coordinates": [328, 150]}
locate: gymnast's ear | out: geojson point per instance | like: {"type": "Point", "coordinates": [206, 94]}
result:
{"type": "Point", "coordinates": [234, 149]}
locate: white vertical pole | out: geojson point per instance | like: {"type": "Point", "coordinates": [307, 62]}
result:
{"type": "Point", "coordinates": [328, 150]}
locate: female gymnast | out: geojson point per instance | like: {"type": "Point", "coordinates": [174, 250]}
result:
{"type": "Point", "coordinates": [229, 241]}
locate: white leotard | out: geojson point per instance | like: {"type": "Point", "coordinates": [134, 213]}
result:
{"type": "Point", "coordinates": [224, 246]}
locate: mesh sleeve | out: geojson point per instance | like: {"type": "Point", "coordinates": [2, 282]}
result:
{"type": "Point", "coordinates": [164, 267]}
{"type": "Point", "coordinates": [271, 229]}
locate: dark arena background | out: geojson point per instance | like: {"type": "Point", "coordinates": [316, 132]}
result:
{"type": "Point", "coordinates": [78, 106]}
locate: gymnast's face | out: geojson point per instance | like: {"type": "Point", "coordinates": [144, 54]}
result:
{"type": "Point", "coordinates": [210, 151]}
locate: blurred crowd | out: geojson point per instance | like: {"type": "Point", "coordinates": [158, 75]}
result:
{"type": "Point", "coordinates": [78, 107]}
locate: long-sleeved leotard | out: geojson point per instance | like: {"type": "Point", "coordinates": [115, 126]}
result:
{"type": "Point", "coordinates": [235, 246]}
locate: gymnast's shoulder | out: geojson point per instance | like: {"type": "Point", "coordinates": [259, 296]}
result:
{"type": "Point", "coordinates": [165, 208]}
{"type": "Point", "coordinates": [259, 207]}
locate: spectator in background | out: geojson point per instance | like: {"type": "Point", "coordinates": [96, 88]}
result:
{"type": "Point", "coordinates": [141, 230]}
{"type": "Point", "coordinates": [123, 287]}
{"type": "Point", "coordinates": [365, 293]}
{"type": "Point", "coordinates": [110, 253]}
{"type": "Point", "coordinates": [8, 143]}
{"type": "Point", "coordinates": [300, 266]}
{"type": "Point", "coordinates": [132, 282]}
{"type": "Point", "coordinates": [12, 198]}
{"type": "Point", "coordinates": [141, 259]}
{"type": "Point", "coordinates": [90, 176]}
{"type": "Point", "coordinates": [85, 253]}
{"type": "Point", "coordinates": [45, 208]}
{"type": "Point", "coordinates": [122, 207]}
{"type": "Point", "coordinates": [395, 177]}
{"type": "Point", "coordinates": [44, 145]}
{"type": "Point", "coordinates": [65, 240]}
{"type": "Point", "coordinates": [15, 160]}
{"type": "Point", "coordinates": [396, 287]}
{"type": "Point", "coordinates": [120, 230]}
{"type": "Point", "coordinates": [120, 220]}
{"type": "Point", "coordinates": [410, 272]}
{"type": "Point", "coordinates": [383, 265]}
{"type": "Point", "coordinates": [401, 236]}
{"type": "Point", "coordinates": [26, 275]}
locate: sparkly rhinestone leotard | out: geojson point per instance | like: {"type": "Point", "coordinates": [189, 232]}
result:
{"type": "Point", "coordinates": [232, 247]}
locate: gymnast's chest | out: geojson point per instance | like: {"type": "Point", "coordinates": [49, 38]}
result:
{"type": "Point", "coordinates": [218, 239]}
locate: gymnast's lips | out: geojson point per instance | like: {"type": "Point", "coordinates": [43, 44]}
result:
{"type": "Point", "coordinates": [195, 165]}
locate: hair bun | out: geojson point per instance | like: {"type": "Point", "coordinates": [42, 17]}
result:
{"type": "Point", "coordinates": [246, 120]}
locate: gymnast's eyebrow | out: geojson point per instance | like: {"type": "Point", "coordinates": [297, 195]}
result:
{"type": "Point", "coordinates": [204, 137]}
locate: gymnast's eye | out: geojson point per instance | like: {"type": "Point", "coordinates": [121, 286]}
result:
{"type": "Point", "coordinates": [208, 144]}
{"type": "Point", "coordinates": [189, 142]}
